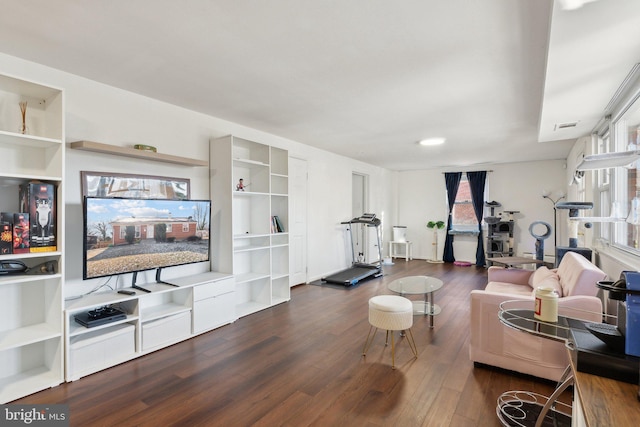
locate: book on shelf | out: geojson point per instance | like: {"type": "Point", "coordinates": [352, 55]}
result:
{"type": "Point", "coordinates": [276, 225]}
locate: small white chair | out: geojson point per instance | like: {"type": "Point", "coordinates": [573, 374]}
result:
{"type": "Point", "coordinates": [391, 313]}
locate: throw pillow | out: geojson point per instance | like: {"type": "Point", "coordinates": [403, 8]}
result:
{"type": "Point", "coordinates": [541, 274]}
{"type": "Point", "coordinates": [550, 282]}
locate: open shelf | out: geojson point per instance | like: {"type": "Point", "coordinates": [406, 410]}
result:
{"type": "Point", "coordinates": [160, 311]}
{"type": "Point", "coordinates": [98, 147]}
{"type": "Point", "coordinates": [27, 382]}
{"type": "Point", "coordinates": [25, 278]}
{"type": "Point", "coordinates": [28, 140]}
{"type": "Point", "coordinates": [30, 368]}
{"type": "Point", "coordinates": [608, 160]}
{"type": "Point", "coordinates": [76, 329]}
{"type": "Point", "coordinates": [27, 335]}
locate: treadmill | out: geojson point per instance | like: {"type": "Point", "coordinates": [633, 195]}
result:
{"type": "Point", "coordinates": [359, 271]}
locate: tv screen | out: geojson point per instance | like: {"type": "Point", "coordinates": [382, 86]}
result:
{"type": "Point", "coordinates": [131, 235]}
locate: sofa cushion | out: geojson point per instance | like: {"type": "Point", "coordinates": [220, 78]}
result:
{"type": "Point", "coordinates": [578, 276]}
{"type": "Point", "coordinates": [551, 282]}
{"type": "Point", "coordinates": [508, 288]}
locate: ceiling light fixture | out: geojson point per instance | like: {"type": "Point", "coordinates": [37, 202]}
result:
{"type": "Point", "coordinates": [432, 141]}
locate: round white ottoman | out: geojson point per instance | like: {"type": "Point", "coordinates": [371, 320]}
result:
{"type": "Point", "coordinates": [391, 313]}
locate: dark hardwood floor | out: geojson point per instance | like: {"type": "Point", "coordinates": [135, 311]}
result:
{"type": "Point", "coordinates": [300, 364]}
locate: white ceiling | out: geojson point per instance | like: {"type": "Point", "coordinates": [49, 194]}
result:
{"type": "Point", "coordinates": [363, 78]}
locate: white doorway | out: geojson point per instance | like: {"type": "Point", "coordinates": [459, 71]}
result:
{"type": "Point", "coordinates": [298, 184]}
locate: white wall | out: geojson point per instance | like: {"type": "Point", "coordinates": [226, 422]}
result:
{"type": "Point", "coordinates": [518, 186]}
{"type": "Point", "coordinates": [106, 114]}
{"type": "Point", "coordinates": [101, 113]}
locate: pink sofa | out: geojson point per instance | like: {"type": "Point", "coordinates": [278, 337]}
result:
{"type": "Point", "coordinates": [495, 344]}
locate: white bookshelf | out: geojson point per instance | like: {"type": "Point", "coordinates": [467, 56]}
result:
{"type": "Point", "coordinates": [31, 325]}
{"type": "Point", "coordinates": [248, 245]}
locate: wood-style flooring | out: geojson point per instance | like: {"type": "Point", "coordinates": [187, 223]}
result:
{"type": "Point", "coordinates": [300, 364]}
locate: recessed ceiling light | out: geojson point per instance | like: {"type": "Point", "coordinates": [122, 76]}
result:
{"type": "Point", "coordinates": [432, 141]}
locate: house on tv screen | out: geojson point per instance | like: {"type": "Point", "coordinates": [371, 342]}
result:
{"type": "Point", "coordinates": [168, 229]}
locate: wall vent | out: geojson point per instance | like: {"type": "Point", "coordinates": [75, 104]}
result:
{"type": "Point", "coordinates": [565, 125]}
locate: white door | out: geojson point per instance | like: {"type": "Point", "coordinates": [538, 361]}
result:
{"type": "Point", "coordinates": [298, 222]}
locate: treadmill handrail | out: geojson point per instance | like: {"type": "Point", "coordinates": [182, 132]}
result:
{"type": "Point", "coordinates": [369, 221]}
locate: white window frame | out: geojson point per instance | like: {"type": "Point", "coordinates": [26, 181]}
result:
{"type": "Point", "coordinates": [602, 187]}
{"type": "Point", "coordinates": [612, 184]}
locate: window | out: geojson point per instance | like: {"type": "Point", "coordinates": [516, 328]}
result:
{"type": "Point", "coordinates": [464, 217]}
{"type": "Point", "coordinates": [617, 190]}
{"type": "Point", "coordinates": [123, 232]}
{"type": "Point", "coordinates": [625, 180]}
{"type": "Point", "coordinates": [185, 227]}
{"type": "Point", "coordinates": [602, 206]}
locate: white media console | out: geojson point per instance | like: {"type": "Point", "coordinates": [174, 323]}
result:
{"type": "Point", "coordinates": [166, 315]}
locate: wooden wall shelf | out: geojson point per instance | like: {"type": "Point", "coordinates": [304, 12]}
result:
{"type": "Point", "coordinates": [98, 147]}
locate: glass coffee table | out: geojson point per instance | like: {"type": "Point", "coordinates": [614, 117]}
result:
{"type": "Point", "coordinates": [419, 285]}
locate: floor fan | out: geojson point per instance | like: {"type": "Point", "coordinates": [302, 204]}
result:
{"type": "Point", "coordinates": [435, 226]}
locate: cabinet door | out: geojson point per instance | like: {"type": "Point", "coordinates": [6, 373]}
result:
{"type": "Point", "coordinates": [213, 312]}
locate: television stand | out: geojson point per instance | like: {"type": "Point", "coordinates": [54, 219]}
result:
{"type": "Point", "coordinates": [158, 280]}
{"type": "Point", "coordinates": [134, 286]}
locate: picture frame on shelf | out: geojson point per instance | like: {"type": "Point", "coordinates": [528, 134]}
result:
{"type": "Point", "coordinates": [107, 184]}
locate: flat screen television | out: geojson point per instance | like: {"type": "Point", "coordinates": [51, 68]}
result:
{"type": "Point", "coordinates": [132, 235]}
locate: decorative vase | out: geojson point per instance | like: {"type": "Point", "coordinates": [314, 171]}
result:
{"type": "Point", "coordinates": [23, 110]}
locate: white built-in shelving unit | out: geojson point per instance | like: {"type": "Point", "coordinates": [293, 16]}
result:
{"type": "Point", "coordinates": [31, 325]}
{"type": "Point", "coordinates": [166, 315]}
{"type": "Point", "coordinates": [246, 242]}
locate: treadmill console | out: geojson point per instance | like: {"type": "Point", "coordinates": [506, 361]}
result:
{"type": "Point", "coordinates": [367, 218]}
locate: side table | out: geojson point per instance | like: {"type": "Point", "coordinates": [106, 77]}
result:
{"type": "Point", "coordinates": [525, 408]}
{"type": "Point", "coordinates": [592, 402]}
{"type": "Point", "coordinates": [407, 249]}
